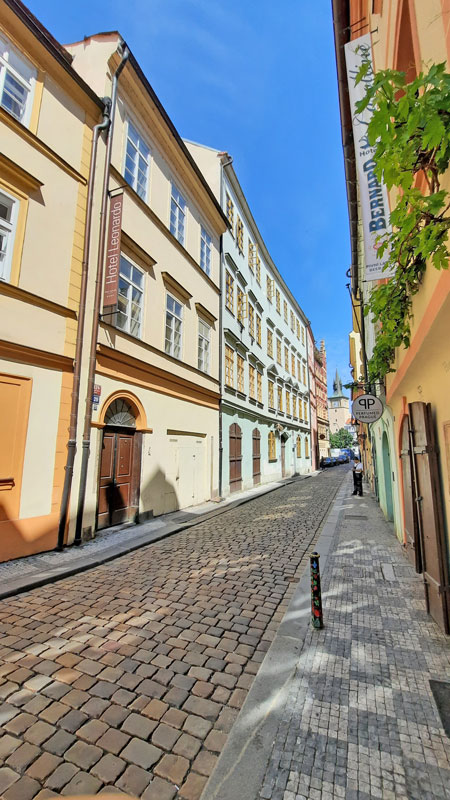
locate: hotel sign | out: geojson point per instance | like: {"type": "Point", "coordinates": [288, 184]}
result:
{"type": "Point", "coordinates": [373, 194]}
{"type": "Point", "coordinates": [111, 288]}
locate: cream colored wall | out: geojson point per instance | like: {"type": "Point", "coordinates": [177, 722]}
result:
{"type": "Point", "coordinates": [89, 60]}
{"type": "Point", "coordinates": [61, 122]}
{"type": "Point", "coordinates": [29, 325]}
{"type": "Point", "coordinates": [39, 462]}
{"type": "Point", "coordinates": [208, 161]}
{"type": "Point", "coordinates": [161, 489]}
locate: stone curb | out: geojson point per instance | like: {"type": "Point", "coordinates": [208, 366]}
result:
{"type": "Point", "coordinates": [240, 770]}
{"type": "Point", "coordinates": [24, 583]}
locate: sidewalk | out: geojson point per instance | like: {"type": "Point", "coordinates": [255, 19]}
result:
{"type": "Point", "coordinates": [22, 574]}
{"type": "Point", "coordinates": [347, 711]}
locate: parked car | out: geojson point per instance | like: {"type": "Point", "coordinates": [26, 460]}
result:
{"type": "Point", "coordinates": [326, 462]}
{"type": "Point", "coordinates": [343, 458]}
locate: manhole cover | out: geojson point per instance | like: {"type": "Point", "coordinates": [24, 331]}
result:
{"type": "Point", "coordinates": [441, 694]}
{"type": "Point", "coordinates": [356, 516]}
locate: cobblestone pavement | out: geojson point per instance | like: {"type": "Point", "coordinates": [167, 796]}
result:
{"type": "Point", "coordinates": [360, 720]}
{"type": "Point", "coordinates": [132, 674]}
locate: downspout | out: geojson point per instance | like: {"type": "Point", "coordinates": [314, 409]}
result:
{"type": "Point", "coordinates": [72, 443]}
{"type": "Point", "coordinates": [222, 167]}
{"type": "Point", "coordinates": [97, 304]}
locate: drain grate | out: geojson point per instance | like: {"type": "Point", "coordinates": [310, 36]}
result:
{"type": "Point", "coordinates": [441, 694]}
{"type": "Point", "coordinates": [355, 516]}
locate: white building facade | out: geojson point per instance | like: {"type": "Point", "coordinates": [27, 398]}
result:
{"type": "Point", "coordinates": [265, 411]}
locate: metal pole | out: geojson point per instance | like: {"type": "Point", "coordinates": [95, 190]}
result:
{"type": "Point", "coordinates": [316, 594]}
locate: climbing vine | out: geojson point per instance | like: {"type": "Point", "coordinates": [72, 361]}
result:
{"type": "Point", "coordinates": [410, 127]}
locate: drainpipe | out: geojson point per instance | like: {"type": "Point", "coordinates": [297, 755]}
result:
{"type": "Point", "coordinates": [97, 304]}
{"type": "Point", "coordinates": [72, 443]}
{"type": "Point", "coordinates": [222, 166]}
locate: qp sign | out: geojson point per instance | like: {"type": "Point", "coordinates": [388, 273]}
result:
{"type": "Point", "coordinates": [367, 408]}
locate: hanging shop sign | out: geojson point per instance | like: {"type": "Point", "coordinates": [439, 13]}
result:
{"type": "Point", "coordinates": [111, 289]}
{"type": "Point", "coordinates": [367, 408]}
{"type": "Point", "coordinates": [373, 194]}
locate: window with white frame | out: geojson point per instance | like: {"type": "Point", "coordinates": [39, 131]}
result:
{"type": "Point", "coordinates": [205, 251]}
{"type": "Point", "coordinates": [177, 214]}
{"type": "Point", "coordinates": [137, 162]}
{"type": "Point", "coordinates": [174, 324]}
{"type": "Point", "coordinates": [204, 341]}
{"type": "Point", "coordinates": [130, 297]}
{"type": "Point", "coordinates": [17, 79]}
{"type": "Point", "coordinates": [8, 209]}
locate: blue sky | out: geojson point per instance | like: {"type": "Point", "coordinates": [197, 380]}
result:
{"type": "Point", "coordinates": [257, 79]}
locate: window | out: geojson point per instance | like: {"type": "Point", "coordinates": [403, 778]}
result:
{"type": "Point", "coordinates": [279, 351]}
{"type": "Point", "coordinates": [294, 406]}
{"type": "Point", "coordinates": [251, 381]}
{"type": "Point", "coordinates": [229, 297]}
{"type": "Point", "coordinates": [204, 340]}
{"type": "Point", "coordinates": [240, 374]}
{"type": "Point", "coordinates": [285, 311]}
{"type": "Point", "coordinates": [293, 364]}
{"type": "Point", "coordinates": [230, 212]}
{"type": "Point", "coordinates": [269, 288]}
{"type": "Point", "coordinates": [259, 387]}
{"type": "Point", "coordinates": [129, 306]}
{"type": "Point", "coordinates": [271, 394]}
{"type": "Point", "coordinates": [240, 305]}
{"type": "Point", "coordinates": [292, 321]}
{"type": "Point", "coordinates": [8, 209]}
{"type": "Point", "coordinates": [137, 162]}
{"type": "Point", "coordinates": [303, 335]}
{"type": "Point", "coordinates": [205, 251]}
{"type": "Point", "coordinates": [17, 78]}
{"type": "Point", "coordinates": [272, 446]}
{"type": "Point", "coordinates": [258, 330]}
{"type": "Point", "coordinates": [240, 234]}
{"type": "Point", "coordinates": [269, 343]}
{"type": "Point", "coordinates": [177, 214]}
{"type": "Point", "coordinates": [229, 366]}
{"type": "Point", "coordinates": [299, 447]}
{"type": "Point", "coordinates": [305, 411]}
{"type": "Point", "coordinates": [297, 325]}
{"type": "Point", "coordinates": [288, 402]}
{"type": "Point", "coordinates": [278, 301]}
{"type": "Point", "coordinates": [251, 321]}
{"type": "Point", "coordinates": [174, 321]}
{"type": "Point", "coordinates": [299, 370]}
{"type": "Point", "coordinates": [251, 256]}
{"type": "Point", "coordinates": [306, 448]}
{"type": "Point", "coordinates": [258, 268]}
{"type": "Point", "coordinates": [304, 374]}
{"type": "Point", "coordinates": [286, 358]}
{"type": "Point", "coordinates": [280, 398]}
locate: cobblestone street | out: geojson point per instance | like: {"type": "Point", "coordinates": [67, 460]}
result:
{"type": "Point", "coordinates": [132, 674]}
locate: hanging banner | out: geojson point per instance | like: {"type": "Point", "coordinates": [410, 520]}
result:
{"type": "Point", "coordinates": [111, 289]}
{"type": "Point", "coordinates": [373, 195]}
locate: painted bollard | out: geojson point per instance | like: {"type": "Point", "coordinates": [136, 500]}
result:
{"type": "Point", "coordinates": [316, 595]}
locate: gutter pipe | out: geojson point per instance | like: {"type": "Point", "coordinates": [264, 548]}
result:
{"type": "Point", "coordinates": [222, 167]}
{"type": "Point", "coordinates": [72, 442]}
{"type": "Point", "coordinates": [97, 304]}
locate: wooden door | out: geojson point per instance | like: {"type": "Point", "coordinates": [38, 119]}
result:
{"type": "Point", "coordinates": [119, 478]}
{"type": "Point", "coordinates": [235, 458]}
{"type": "Point", "coordinates": [256, 438]}
{"type": "Point", "coordinates": [283, 458]}
{"type": "Point", "coordinates": [430, 513]}
{"type": "Point", "coordinates": [413, 545]}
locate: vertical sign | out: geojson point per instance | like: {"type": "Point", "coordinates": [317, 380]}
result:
{"type": "Point", "coordinates": [111, 288]}
{"type": "Point", "coordinates": [373, 195]}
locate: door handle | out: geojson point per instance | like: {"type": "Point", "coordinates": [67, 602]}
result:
{"type": "Point", "coordinates": [6, 481]}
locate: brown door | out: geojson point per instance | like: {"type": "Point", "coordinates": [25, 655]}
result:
{"type": "Point", "coordinates": [235, 458]}
{"type": "Point", "coordinates": [256, 436]}
{"type": "Point", "coordinates": [429, 513]}
{"type": "Point", "coordinates": [413, 545]}
{"type": "Point", "coordinates": [119, 478]}
{"type": "Point", "coordinates": [283, 458]}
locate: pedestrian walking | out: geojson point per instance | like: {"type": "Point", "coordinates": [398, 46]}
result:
{"type": "Point", "coordinates": [357, 477]}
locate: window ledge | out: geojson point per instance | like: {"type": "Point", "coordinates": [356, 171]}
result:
{"type": "Point", "coordinates": [241, 395]}
{"type": "Point", "coordinates": [273, 460]}
{"type": "Point", "coordinates": [230, 389]}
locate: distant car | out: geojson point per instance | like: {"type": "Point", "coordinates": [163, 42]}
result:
{"type": "Point", "coordinates": [334, 461]}
{"type": "Point", "coordinates": [343, 458]}
{"type": "Point", "coordinates": [326, 462]}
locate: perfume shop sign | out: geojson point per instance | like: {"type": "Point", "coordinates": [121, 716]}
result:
{"type": "Point", "coordinates": [112, 266]}
{"type": "Point", "coordinates": [373, 193]}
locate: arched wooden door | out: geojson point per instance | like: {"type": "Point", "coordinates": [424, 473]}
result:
{"type": "Point", "coordinates": [413, 547]}
{"type": "Point", "coordinates": [256, 439]}
{"type": "Point", "coordinates": [235, 457]}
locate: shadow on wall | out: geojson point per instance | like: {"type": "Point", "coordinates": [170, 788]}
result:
{"type": "Point", "coordinates": [25, 537]}
{"type": "Point", "coordinates": [158, 496]}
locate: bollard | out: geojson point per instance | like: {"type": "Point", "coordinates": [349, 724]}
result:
{"type": "Point", "coordinates": [316, 595]}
